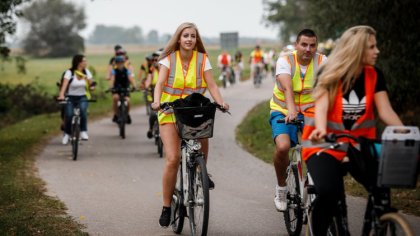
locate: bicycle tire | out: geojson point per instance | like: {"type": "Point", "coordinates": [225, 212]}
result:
{"type": "Point", "coordinates": [75, 132]}
{"type": "Point", "coordinates": [160, 147]}
{"type": "Point", "coordinates": [198, 212]}
{"type": "Point", "coordinates": [122, 120]}
{"type": "Point", "coordinates": [393, 224]}
{"type": "Point", "coordinates": [293, 216]}
{"type": "Point", "coordinates": [177, 213]}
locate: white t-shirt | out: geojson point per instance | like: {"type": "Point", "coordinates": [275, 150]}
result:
{"type": "Point", "coordinates": [165, 62]}
{"type": "Point", "coordinates": [77, 87]}
{"type": "Point", "coordinates": [283, 66]}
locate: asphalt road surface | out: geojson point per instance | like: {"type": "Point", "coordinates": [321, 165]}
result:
{"type": "Point", "coordinates": [114, 188]}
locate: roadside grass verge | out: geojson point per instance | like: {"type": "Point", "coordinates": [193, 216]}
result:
{"type": "Point", "coordinates": [25, 209]}
{"type": "Point", "coordinates": [254, 134]}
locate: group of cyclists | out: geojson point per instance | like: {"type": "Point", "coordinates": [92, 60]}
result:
{"type": "Point", "coordinates": [337, 94]}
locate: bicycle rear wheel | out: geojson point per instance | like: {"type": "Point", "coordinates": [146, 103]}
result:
{"type": "Point", "coordinates": [393, 224]}
{"type": "Point", "coordinates": [122, 120]}
{"type": "Point", "coordinates": [198, 212]}
{"type": "Point", "coordinates": [75, 138]}
{"type": "Point", "coordinates": [293, 216]}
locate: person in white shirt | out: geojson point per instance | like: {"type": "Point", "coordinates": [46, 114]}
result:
{"type": "Point", "coordinates": [76, 84]}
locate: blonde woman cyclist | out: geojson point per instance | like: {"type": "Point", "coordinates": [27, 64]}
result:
{"type": "Point", "coordinates": [183, 58]}
{"type": "Point", "coordinates": [348, 88]}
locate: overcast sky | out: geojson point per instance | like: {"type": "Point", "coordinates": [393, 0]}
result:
{"type": "Point", "coordinates": [211, 16]}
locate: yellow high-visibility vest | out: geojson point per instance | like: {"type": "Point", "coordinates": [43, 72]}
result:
{"type": "Point", "coordinates": [302, 87]}
{"type": "Point", "coordinates": [179, 86]}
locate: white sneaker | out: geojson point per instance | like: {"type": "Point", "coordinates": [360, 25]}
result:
{"type": "Point", "coordinates": [280, 199]}
{"type": "Point", "coordinates": [84, 135]}
{"type": "Point", "coordinates": [65, 140]}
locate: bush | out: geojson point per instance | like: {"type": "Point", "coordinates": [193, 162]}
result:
{"type": "Point", "coordinates": [23, 101]}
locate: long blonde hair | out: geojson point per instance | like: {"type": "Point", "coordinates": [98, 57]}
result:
{"type": "Point", "coordinates": [173, 43]}
{"type": "Point", "coordinates": [344, 62]}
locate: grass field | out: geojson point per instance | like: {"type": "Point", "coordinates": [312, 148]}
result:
{"type": "Point", "coordinates": [254, 134]}
{"type": "Point", "coordinates": [46, 72]}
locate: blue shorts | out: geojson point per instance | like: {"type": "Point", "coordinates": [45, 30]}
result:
{"type": "Point", "coordinates": [282, 128]}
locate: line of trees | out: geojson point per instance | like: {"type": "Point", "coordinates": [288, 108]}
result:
{"type": "Point", "coordinates": [103, 34]}
{"type": "Point", "coordinates": [396, 23]}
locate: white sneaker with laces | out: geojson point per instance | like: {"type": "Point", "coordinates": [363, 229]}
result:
{"type": "Point", "coordinates": [280, 199]}
{"type": "Point", "coordinates": [84, 135]}
{"type": "Point", "coordinates": [65, 140]}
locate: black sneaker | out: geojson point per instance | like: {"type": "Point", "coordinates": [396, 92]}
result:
{"type": "Point", "coordinates": [128, 119]}
{"type": "Point", "coordinates": [115, 119]}
{"type": "Point", "coordinates": [165, 217]}
{"type": "Point", "coordinates": [149, 134]}
{"type": "Point", "coordinates": [211, 184]}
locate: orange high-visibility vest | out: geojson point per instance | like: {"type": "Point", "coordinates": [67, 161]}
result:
{"type": "Point", "coordinates": [364, 126]}
{"type": "Point", "coordinates": [302, 87]}
{"type": "Point", "coordinates": [178, 85]}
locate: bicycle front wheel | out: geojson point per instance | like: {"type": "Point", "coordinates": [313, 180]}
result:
{"type": "Point", "coordinates": [123, 118]}
{"type": "Point", "coordinates": [293, 216]}
{"type": "Point", "coordinates": [178, 211]}
{"type": "Point", "coordinates": [199, 193]}
{"type": "Point", "coordinates": [160, 146]}
{"type": "Point", "coordinates": [392, 224]}
{"type": "Point", "coordinates": [75, 139]}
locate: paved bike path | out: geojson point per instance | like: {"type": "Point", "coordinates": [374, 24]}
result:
{"type": "Point", "coordinates": [114, 188]}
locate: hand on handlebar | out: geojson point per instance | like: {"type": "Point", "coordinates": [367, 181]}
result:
{"type": "Point", "coordinates": [317, 135]}
{"type": "Point", "coordinates": [291, 115]}
{"type": "Point", "coordinates": [155, 106]}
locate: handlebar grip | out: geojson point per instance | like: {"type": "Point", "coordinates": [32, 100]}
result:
{"type": "Point", "coordinates": [331, 138]}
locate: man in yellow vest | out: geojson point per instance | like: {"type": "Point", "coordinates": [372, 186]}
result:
{"type": "Point", "coordinates": [295, 76]}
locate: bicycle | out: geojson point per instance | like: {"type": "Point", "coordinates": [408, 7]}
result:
{"type": "Point", "coordinates": [191, 196]}
{"type": "Point", "coordinates": [380, 218]}
{"type": "Point", "coordinates": [300, 190]}
{"type": "Point", "coordinates": [297, 183]}
{"type": "Point", "coordinates": [122, 107]}
{"type": "Point", "coordinates": [75, 126]}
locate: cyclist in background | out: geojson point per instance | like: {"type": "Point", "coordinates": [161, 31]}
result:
{"type": "Point", "coordinates": [121, 77]}
{"type": "Point", "coordinates": [295, 76]}
{"type": "Point", "coordinates": [224, 62]}
{"type": "Point", "coordinates": [256, 59]}
{"type": "Point", "coordinates": [347, 89]}
{"type": "Point", "coordinates": [76, 84]}
{"type": "Point", "coordinates": [119, 51]}
{"type": "Point", "coordinates": [239, 65]}
{"type": "Point", "coordinates": [150, 84]}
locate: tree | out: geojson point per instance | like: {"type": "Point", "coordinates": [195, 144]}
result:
{"type": "Point", "coordinates": [287, 15]}
{"type": "Point", "coordinates": [8, 12]}
{"type": "Point", "coordinates": [153, 37]}
{"type": "Point", "coordinates": [54, 28]}
{"type": "Point", "coordinates": [103, 34]}
{"type": "Point", "coordinates": [396, 23]}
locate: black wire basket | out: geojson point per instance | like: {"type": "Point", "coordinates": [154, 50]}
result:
{"type": "Point", "coordinates": [195, 122]}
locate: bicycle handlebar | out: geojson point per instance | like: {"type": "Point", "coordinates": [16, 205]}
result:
{"type": "Point", "coordinates": [118, 90]}
{"type": "Point", "coordinates": [293, 122]}
{"type": "Point", "coordinates": [167, 105]}
{"type": "Point", "coordinates": [66, 100]}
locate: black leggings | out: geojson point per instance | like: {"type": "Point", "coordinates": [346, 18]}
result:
{"type": "Point", "coordinates": [327, 174]}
